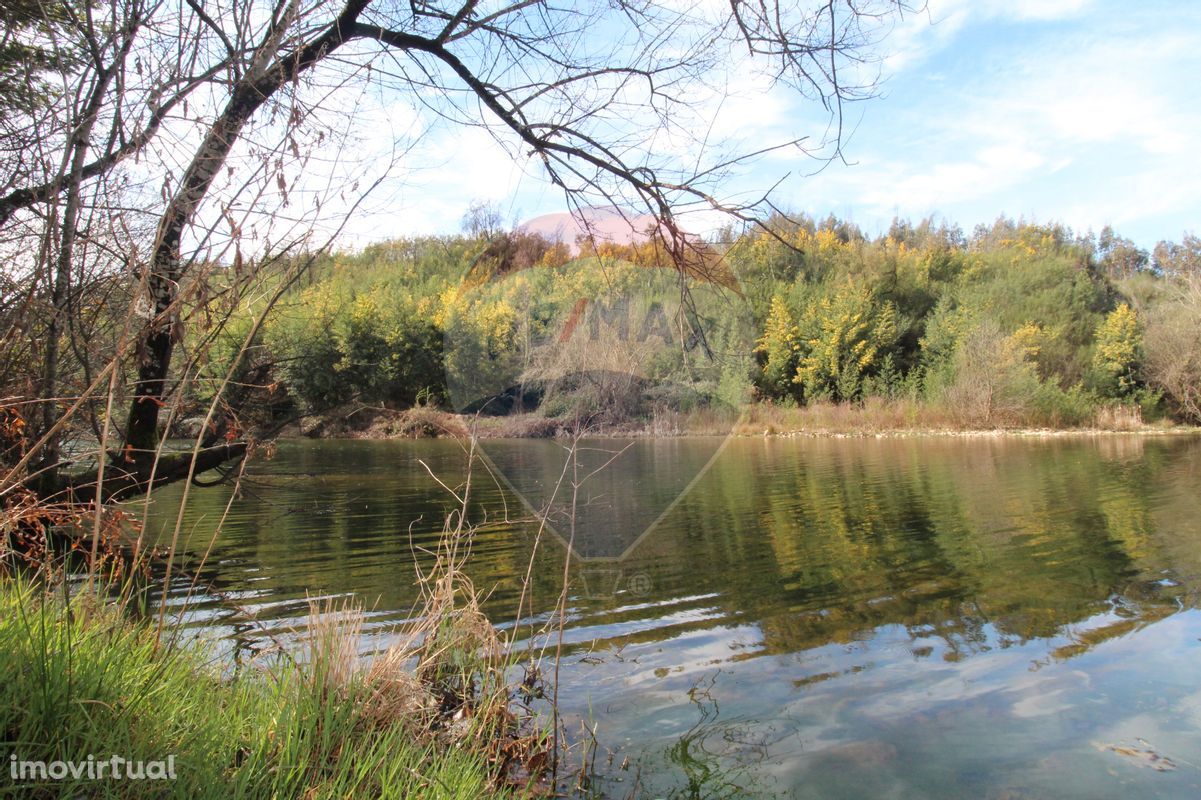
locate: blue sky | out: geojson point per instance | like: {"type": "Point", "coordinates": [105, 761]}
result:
{"type": "Point", "coordinates": [1086, 113]}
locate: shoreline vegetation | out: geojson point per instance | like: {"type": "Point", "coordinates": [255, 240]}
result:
{"type": "Point", "coordinates": [445, 707]}
{"type": "Point", "coordinates": [82, 678]}
{"type": "Point", "coordinates": [815, 329]}
{"type": "Point", "coordinates": [871, 419]}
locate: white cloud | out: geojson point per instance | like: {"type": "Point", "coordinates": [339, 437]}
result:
{"type": "Point", "coordinates": [988, 169]}
{"type": "Point", "coordinates": [934, 28]}
{"type": "Point", "coordinates": [1067, 109]}
{"type": "Point", "coordinates": [1093, 120]}
{"type": "Point", "coordinates": [1035, 9]}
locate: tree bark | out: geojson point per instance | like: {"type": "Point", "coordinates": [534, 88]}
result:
{"type": "Point", "coordinates": [157, 341]}
{"type": "Point", "coordinates": [123, 480]}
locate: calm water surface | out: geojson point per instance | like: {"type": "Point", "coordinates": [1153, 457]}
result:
{"type": "Point", "coordinates": [786, 618]}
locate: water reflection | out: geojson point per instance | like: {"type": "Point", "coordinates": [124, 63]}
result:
{"type": "Point", "coordinates": [813, 618]}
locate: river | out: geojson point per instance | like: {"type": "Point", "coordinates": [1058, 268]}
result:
{"type": "Point", "coordinates": [1002, 617]}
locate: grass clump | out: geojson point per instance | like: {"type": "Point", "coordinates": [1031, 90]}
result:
{"type": "Point", "coordinates": [79, 677]}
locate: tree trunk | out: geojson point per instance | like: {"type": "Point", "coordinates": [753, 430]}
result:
{"type": "Point", "coordinates": [166, 266]}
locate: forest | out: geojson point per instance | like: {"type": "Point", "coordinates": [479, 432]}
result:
{"type": "Point", "coordinates": [1015, 325]}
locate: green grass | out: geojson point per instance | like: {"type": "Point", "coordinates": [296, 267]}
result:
{"type": "Point", "coordinates": [78, 678]}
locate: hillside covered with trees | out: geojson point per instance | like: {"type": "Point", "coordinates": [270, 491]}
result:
{"type": "Point", "coordinates": [1016, 324]}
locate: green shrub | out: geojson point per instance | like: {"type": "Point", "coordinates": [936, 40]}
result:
{"type": "Point", "coordinates": [1064, 408]}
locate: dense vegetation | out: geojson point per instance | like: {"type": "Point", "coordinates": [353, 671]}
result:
{"type": "Point", "coordinates": [82, 678]}
{"type": "Point", "coordinates": [1016, 324]}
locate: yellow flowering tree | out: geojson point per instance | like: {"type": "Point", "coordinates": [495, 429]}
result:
{"type": "Point", "coordinates": [844, 336]}
{"type": "Point", "coordinates": [778, 350]}
{"type": "Point", "coordinates": [1119, 349]}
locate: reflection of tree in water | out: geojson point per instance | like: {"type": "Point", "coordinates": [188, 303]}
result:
{"type": "Point", "coordinates": [349, 519]}
{"type": "Point", "coordinates": [966, 545]}
{"type": "Point", "coordinates": [1139, 605]}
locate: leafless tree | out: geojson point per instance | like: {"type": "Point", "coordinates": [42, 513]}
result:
{"type": "Point", "coordinates": [180, 134]}
{"type": "Point", "coordinates": [1173, 346]}
{"type": "Point", "coordinates": [993, 379]}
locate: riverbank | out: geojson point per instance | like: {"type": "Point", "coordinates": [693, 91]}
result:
{"type": "Point", "coordinates": [875, 417]}
{"type": "Point", "coordinates": [902, 419]}
{"type": "Point", "coordinates": [87, 692]}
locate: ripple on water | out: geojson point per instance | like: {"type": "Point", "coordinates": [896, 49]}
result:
{"type": "Point", "coordinates": [934, 617]}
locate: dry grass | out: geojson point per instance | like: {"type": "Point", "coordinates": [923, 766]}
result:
{"type": "Point", "coordinates": [874, 415]}
{"type": "Point", "coordinates": [384, 687]}
{"type": "Point", "coordinates": [663, 422]}
{"type": "Point", "coordinates": [518, 426]}
{"type": "Point", "coordinates": [446, 676]}
{"type": "Point", "coordinates": [1119, 418]}
{"type": "Point", "coordinates": [418, 422]}
{"type": "Point", "coordinates": [699, 422]}
{"type": "Point", "coordinates": [880, 416]}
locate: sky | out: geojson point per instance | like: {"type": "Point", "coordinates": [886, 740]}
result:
{"type": "Point", "coordinates": [1083, 112]}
